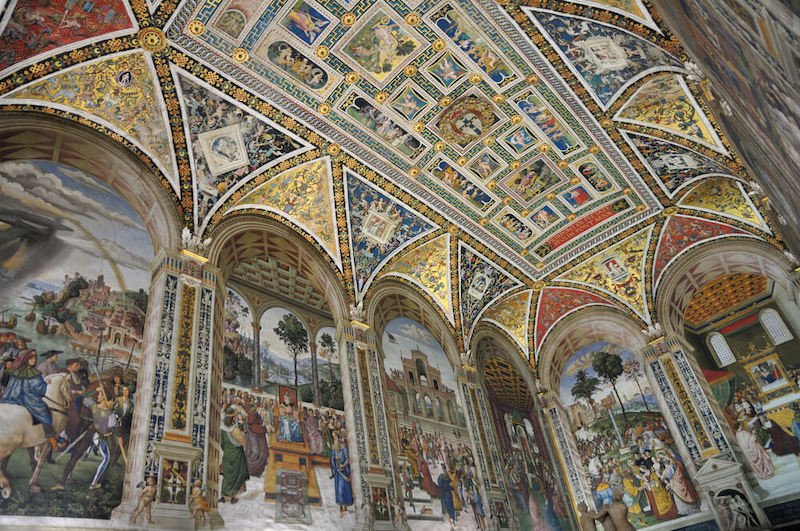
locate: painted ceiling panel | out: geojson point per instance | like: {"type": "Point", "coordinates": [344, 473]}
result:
{"type": "Point", "coordinates": [468, 148]}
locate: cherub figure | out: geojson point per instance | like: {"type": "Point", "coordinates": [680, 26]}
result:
{"type": "Point", "coordinates": [146, 498]}
{"type": "Point", "coordinates": [198, 501]}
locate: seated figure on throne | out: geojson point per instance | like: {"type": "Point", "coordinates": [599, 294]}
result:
{"type": "Point", "coordinates": [289, 428]}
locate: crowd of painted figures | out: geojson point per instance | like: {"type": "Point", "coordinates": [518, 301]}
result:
{"type": "Point", "coordinates": [526, 477]}
{"type": "Point", "coordinates": [646, 470]}
{"type": "Point", "coordinates": [456, 485]}
{"type": "Point", "coordinates": [250, 422]}
{"type": "Point", "coordinates": [761, 438]}
{"type": "Point", "coordinates": [99, 410]}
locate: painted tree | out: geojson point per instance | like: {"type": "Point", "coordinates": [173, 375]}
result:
{"type": "Point", "coordinates": [327, 349]}
{"type": "Point", "coordinates": [293, 334]}
{"type": "Point", "coordinates": [633, 371]}
{"type": "Point", "coordinates": [585, 387]}
{"type": "Point", "coordinates": [609, 367]}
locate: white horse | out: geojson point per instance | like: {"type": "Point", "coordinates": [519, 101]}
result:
{"type": "Point", "coordinates": [18, 430]}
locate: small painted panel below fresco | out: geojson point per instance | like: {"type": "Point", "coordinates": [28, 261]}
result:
{"type": "Point", "coordinates": [622, 437]}
{"type": "Point", "coordinates": [435, 456]}
{"type": "Point", "coordinates": [760, 394]}
{"type": "Point", "coordinates": [73, 304]}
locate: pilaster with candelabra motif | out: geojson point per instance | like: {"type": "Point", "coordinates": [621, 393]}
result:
{"type": "Point", "coordinates": [567, 451]}
{"type": "Point", "coordinates": [175, 432]}
{"type": "Point", "coordinates": [692, 414]}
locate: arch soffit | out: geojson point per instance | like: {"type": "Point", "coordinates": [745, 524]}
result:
{"type": "Point", "coordinates": [293, 248]}
{"type": "Point", "coordinates": [392, 298]}
{"type": "Point", "coordinates": [488, 342]}
{"type": "Point", "coordinates": [108, 161]}
{"type": "Point", "coordinates": [584, 327]}
{"type": "Point", "coordinates": [685, 275]}
{"type": "Point", "coordinates": [489, 335]}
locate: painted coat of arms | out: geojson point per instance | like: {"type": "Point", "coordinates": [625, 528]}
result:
{"type": "Point", "coordinates": [467, 120]}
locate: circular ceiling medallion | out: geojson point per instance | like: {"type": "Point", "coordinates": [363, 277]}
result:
{"type": "Point", "coordinates": [196, 28]}
{"type": "Point", "coordinates": [152, 39]}
{"type": "Point", "coordinates": [351, 77]}
{"type": "Point", "coordinates": [322, 52]}
{"type": "Point", "coordinates": [410, 70]}
{"type": "Point", "coordinates": [324, 108]}
{"type": "Point", "coordinates": [438, 45]}
{"type": "Point", "coordinates": [475, 78]}
{"type": "Point", "coordinates": [334, 149]}
{"type": "Point", "coordinates": [381, 96]}
{"type": "Point", "coordinates": [412, 19]}
{"type": "Point", "coordinates": [240, 55]}
{"type": "Point", "coordinates": [348, 19]}
{"type": "Point", "coordinates": [413, 171]}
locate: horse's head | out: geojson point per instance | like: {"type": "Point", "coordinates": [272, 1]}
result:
{"type": "Point", "coordinates": [58, 390]}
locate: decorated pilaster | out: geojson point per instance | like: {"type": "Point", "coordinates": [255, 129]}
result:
{"type": "Point", "coordinates": [493, 487]}
{"type": "Point", "coordinates": [703, 439]}
{"type": "Point", "coordinates": [694, 416]}
{"type": "Point", "coordinates": [256, 354]}
{"type": "Point", "coordinates": [175, 434]}
{"type": "Point", "coordinates": [567, 452]}
{"type": "Point", "coordinates": [368, 416]}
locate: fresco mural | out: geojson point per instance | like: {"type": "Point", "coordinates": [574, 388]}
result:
{"type": "Point", "coordinates": [286, 351]}
{"type": "Point", "coordinates": [305, 22]}
{"type": "Point", "coordinates": [554, 130]}
{"type": "Point", "coordinates": [380, 226]}
{"type": "Point", "coordinates": [622, 438]}
{"type": "Point", "coordinates": [605, 58]}
{"type": "Point", "coordinates": [533, 484]}
{"type": "Point", "coordinates": [526, 184]}
{"type": "Point", "coordinates": [37, 27]}
{"type": "Point", "coordinates": [228, 143]}
{"type": "Point", "coordinates": [760, 397]}
{"type": "Point", "coordinates": [284, 461]}
{"type": "Point", "coordinates": [447, 70]}
{"type": "Point", "coordinates": [382, 46]}
{"type": "Point", "coordinates": [375, 120]}
{"type": "Point", "coordinates": [460, 184]}
{"type": "Point", "coordinates": [435, 457]}
{"type": "Point", "coordinates": [285, 456]}
{"type": "Point", "coordinates": [674, 165]}
{"type": "Point", "coordinates": [73, 299]}
{"type": "Point", "coordinates": [294, 63]}
{"type": "Point", "coordinates": [469, 39]}
{"type": "Point", "coordinates": [239, 348]}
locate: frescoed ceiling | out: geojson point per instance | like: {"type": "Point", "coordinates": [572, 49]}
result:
{"type": "Point", "coordinates": [723, 295]}
{"type": "Point", "coordinates": [476, 150]}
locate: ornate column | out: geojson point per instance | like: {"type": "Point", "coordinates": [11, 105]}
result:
{"type": "Point", "coordinates": [364, 401]}
{"type": "Point", "coordinates": [175, 434]}
{"type": "Point", "coordinates": [488, 460]}
{"type": "Point", "coordinates": [567, 451]}
{"type": "Point", "coordinates": [312, 346]}
{"type": "Point", "coordinates": [699, 429]}
{"type": "Point", "coordinates": [257, 355]}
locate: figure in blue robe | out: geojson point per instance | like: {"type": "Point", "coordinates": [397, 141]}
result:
{"type": "Point", "coordinates": [446, 494]}
{"type": "Point", "coordinates": [340, 473]}
{"type": "Point", "coordinates": [26, 387]}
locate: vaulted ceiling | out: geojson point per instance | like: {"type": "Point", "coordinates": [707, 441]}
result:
{"type": "Point", "coordinates": [471, 149]}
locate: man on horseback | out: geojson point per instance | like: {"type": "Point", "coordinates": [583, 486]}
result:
{"type": "Point", "coordinates": [27, 388]}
